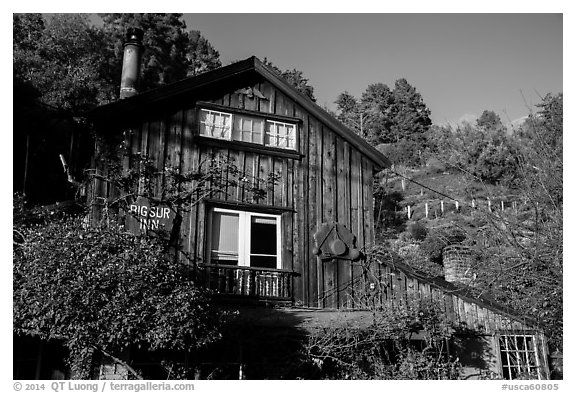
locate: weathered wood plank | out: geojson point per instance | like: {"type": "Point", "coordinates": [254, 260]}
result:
{"type": "Point", "coordinates": [462, 312]}
{"type": "Point", "coordinates": [329, 211]}
{"type": "Point", "coordinates": [343, 273]}
{"type": "Point", "coordinates": [281, 181]}
{"type": "Point", "coordinates": [154, 151]}
{"type": "Point", "coordinates": [264, 104]}
{"type": "Point", "coordinates": [201, 254]}
{"type": "Point", "coordinates": [250, 102]}
{"type": "Point", "coordinates": [235, 101]}
{"type": "Point", "coordinates": [302, 193]}
{"type": "Point", "coordinates": [315, 212]}
{"type": "Point", "coordinates": [189, 163]}
{"type": "Point", "coordinates": [242, 174]}
{"type": "Point", "coordinates": [355, 217]}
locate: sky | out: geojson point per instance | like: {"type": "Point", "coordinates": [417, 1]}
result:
{"type": "Point", "coordinates": [461, 64]}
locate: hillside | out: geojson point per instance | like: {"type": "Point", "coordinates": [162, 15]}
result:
{"type": "Point", "coordinates": [421, 210]}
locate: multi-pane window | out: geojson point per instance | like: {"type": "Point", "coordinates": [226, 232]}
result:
{"type": "Point", "coordinates": [248, 129]}
{"type": "Point", "coordinates": [244, 238]}
{"type": "Point", "coordinates": [519, 357]}
{"type": "Point", "coordinates": [215, 124]}
{"type": "Point", "coordinates": [280, 134]}
{"type": "Point", "coordinates": [245, 128]}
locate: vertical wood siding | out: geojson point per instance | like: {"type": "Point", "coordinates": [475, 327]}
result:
{"type": "Point", "coordinates": [331, 182]}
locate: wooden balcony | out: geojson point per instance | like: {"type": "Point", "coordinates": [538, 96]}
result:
{"type": "Point", "coordinates": [261, 283]}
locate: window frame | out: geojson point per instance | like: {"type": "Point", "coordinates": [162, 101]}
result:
{"type": "Point", "coordinates": [244, 236]}
{"type": "Point", "coordinates": [274, 123]}
{"type": "Point", "coordinates": [292, 152]}
{"type": "Point", "coordinates": [538, 363]}
{"type": "Point", "coordinates": [223, 114]}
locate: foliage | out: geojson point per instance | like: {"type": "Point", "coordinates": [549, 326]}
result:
{"type": "Point", "coordinates": [526, 250]}
{"type": "Point", "coordinates": [387, 348]}
{"type": "Point", "coordinates": [295, 78]}
{"type": "Point", "coordinates": [488, 154]}
{"type": "Point", "coordinates": [384, 116]}
{"type": "Point", "coordinates": [418, 230]}
{"type": "Point", "coordinates": [521, 252]}
{"type": "Point", "coordinates": [439, 238]}
{"type": "Point", "coordinates": [62, 59]}
{"type": "Point", "coordinates": [170, 53]}
{"type": "Point", "coordinates": [489, 120]}
{"type": "Point", "coordinates": [103, 289]}
{"type": "Point", "coordinates": [75, 65]}
{"type": "Point", "coordinates": [349, 111]}
{"type": "Point", "coordinates": [387, 209]}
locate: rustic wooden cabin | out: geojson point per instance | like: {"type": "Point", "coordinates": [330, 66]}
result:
{"type": "Point", "coordinates": [253, 118]}
{"type": "Point", "coordinates": [288, 255]}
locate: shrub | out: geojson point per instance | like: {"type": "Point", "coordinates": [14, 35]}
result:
{"type": "Point", "coordinates": [418, 230]}
{"type": "Point", "coordinates": [102, 289]}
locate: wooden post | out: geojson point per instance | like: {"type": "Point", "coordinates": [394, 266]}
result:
{"type": "Point", "coordinates": [426, 208]}
{"type": "Point", "coordinates": [473, 203]}
{"type": "Point", "coordinates": [502, 204]}
{"type": "Point", "coordinates": [403, 184]}
{"type": "Point", "coordinates": [489, 205]}
{"type": "Point", "coordinates": [421, 191]}
{"type": "Point", "coordinates": [457, 205]}
{"type": "Point", "coordinates": [409, 212]}
{"type": "Point", "coordinates": [442, 206]}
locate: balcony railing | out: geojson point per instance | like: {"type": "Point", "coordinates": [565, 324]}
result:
{"type": "Point", "coordinates": [247, 281]}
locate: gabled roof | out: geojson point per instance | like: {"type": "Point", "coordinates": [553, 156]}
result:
{"type": "Point", "coordinates": [246, 67]}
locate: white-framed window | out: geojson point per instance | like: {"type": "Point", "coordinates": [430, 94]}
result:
{"type": "Point", "coordinates": [215, 124]}
{"type": "Point", "coordinates": [243, 238]}
{"type": "Point", "coordinates": [279, 134]}
{"type": "Point", "coordinates": [519, 356]}
{"type": "Point", "coordinates": [245, 128]}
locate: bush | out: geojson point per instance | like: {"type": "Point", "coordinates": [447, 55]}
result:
{"type": "Point", "coordinates": [385, 350]}
{"type": "Point", "coordinates": [418, 230]}
{"type": "Point", "coordinates": [439, 238]}
{"type": "Point", "coordinates": [101, 288]}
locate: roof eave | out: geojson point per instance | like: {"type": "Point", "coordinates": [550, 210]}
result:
{"type": "Point", "coordinates": [220, 74]}
{"type": "Point", "coordinates": [377, 157]}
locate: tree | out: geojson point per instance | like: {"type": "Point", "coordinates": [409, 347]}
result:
{"type": "Point", "coordinates": [201, 55]}
{"type": "Point", "coordinates": [489, 120]}
{"type": "Point", "coordinates": [348, 110]}
{"type": "Point", "coordinates": [376, 113]}
{"type": "Point", "coordinates": [520, 253]}
{"type": "Point", "coordinates": [295, 78]}
{"type": "Point", "coordinates": [398, 118]}
{"type": "Point", "coordinates": [485, 151]}
{"type": "Point", "coordinates": [63, 60]}
{"type": "Point", "coordinates": [65, 66]}
{"type": "Point", "coordinates": [171, 53]}
{"type": "Point", "coordinates": [411, 116]}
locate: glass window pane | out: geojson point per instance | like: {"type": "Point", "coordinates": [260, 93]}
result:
{"type": "Point", "coordinates": [268, 262]}
{"type": "Point", "coordinates": [247, 129]}
{"type": "Point", "coordinates": [280, 135]}
{"type": "Point", "coordinates": [263, 233]}
{"type": "Point", "coordinates": [215, 124]}
{"type": "Point", "coordinates": [225, 228]}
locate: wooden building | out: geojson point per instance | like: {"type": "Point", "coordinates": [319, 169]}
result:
{"type": "Point", "coordinates": [254, 119]}
{"type": "Point", "coordinates": [282, 237]}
